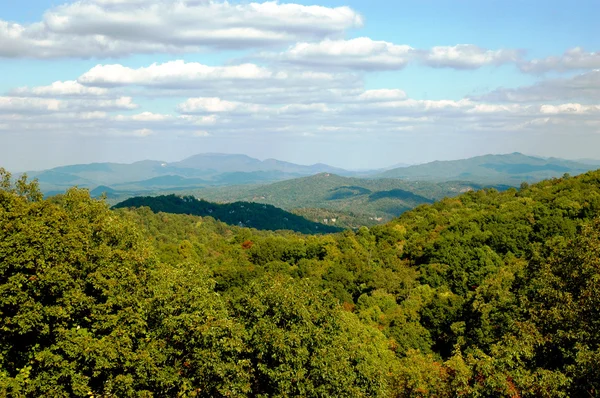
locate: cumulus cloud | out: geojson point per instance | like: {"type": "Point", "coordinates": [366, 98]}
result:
{"type": "Point", "coordinates": [171, 74]}
{"type": "Point", "coordinates": [385, 116]}
{"type": "Point", "coordinates": [382, 95]}
{"type": "Point", "coordinates": [235, 82]}
{"type": "Point", "coordinates": [69, 88]}
{"type": "Point", "coordinates": [572, 59]}
{"type": "Point", "coordinates": [361, 53]}
{"type": "Point", "coordinates": [145, 117]}
{"type": "Point", "coordinates": [217, 105]}
{"type": "Point", "coordinates": [371, 113]}
{"type": "Point", "coordinates": [468, 56]}
{"type": "Point", "coordinates": [122, 103]}
{"type": "Point", "coordinates": [112, 28]}
{"type": "Point", "coordinates": [366, 54]}
{"type": "Point", "coordinates": [582, 87]}
{"type": "Point", "coordinates": [31, 105]}
{"type": "Point", "coordinates": [570, 109]}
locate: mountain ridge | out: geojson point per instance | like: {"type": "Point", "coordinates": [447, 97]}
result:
{"type": "Point", "coordinates": [243, 214]}
{"type": "Point", "coordinates": [512, 168]}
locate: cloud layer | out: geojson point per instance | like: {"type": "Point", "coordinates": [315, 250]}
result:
{"type": "Point", "coordinates": [103, 28]}
{"type": "Point", "coordinates": [366, 54]}
{"type": "Point", "coordinates": [300, 76]}
{"type": "Point", "coordinates": [238, 100]}
{"type": "Point", "coordinates": [573, 59]}
{"type": "Point", "coordinates": [583, 87]}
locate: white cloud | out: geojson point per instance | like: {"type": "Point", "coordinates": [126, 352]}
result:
{"type": "Point", "coordinates": [583, 87]}
{"type": "Point", "coordinates": [244, 83]}
{"type": "Point", "coordinates": [468, 56]}
{"type": "Point", "coordinates": [569, 109]}
{"type": "Point", "coordinates": [383, 116]}
{"type": "Point", "coordinates": [69, 88]}
{"type": "Point", "coordinates": [303, 109]}
{"type": "Point", "coordinates": [28, 105]}
{"type": "Point", "coordinates": [572, 59]}
{"type": "Point", "coordinates": [145, 117]}
{"type": "Point", "coordinates": [122, 103]}
{"type": "Point", "coordinates": [382, 95]}
{"type": "Point", "coordinates": [378, 114]}
{"type": "Point", "coordinates": [366, 54]}
{"type": "Point", "coordinates": [150, 117]}
{"type": "Point", "coordinates": [169, 74]}
{"type": "Point", "coordinates": [110, 28]}
{"type": "Point", "coordinates": [216, 105]}
{"type": "Point", "coordinates": [196, 120]}
{"type": "Point", "coordinates": [361, 53]}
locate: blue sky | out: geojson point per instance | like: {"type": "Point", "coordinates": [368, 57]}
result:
{"type": "Point", "coordinates": [354, 84]}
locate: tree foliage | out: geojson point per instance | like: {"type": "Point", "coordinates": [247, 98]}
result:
{"type": "Point", "coordinates": [487, 294]}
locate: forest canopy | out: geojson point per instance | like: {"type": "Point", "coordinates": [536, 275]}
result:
{"type": "Point", "coordinates": [486, 294]}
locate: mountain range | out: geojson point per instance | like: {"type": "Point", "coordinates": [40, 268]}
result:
{"type": "Point", "coordinates": [210, 169]}
{"type": "Point", "coordinates": [510, 169]}
{"type": "Point", "coordinates": [219, 170]}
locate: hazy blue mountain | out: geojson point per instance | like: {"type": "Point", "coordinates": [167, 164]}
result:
{"type": "Point", "coordinates": [506, 169]}
{"type": "Point", "coordinates": [94, 174]}
{"type": "Point", "coordinates": [222, 163]}
{"type": "Point", "coordinates": [171, 181]}
{"type": "Point", "coordinates": [58, 178]}
{"type": "Point", "coordinates": [198, 170]}
{"type": "Point", "coordinates": [594, 162]}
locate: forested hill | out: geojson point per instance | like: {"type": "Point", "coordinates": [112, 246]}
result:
{"type": "Point", "coordinates": [243, 214]}
{"type": "Point", "coordinates": [488, 294]}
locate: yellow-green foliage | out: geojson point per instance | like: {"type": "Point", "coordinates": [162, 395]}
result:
{"type": "Point", "coordinates": [487, 294]}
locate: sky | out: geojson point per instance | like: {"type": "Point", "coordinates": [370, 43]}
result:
{"type": "Point", "coordinates": [354, 84]}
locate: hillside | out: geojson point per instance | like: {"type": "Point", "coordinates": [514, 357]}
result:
{"type": "Point", "coordinates": [374, 198]}
{"type": "Point", "coordinates": [243, 214]}
{"type": "Point", "coordinates": [511, 169]}
{"type": "Point", "coordinates": [485, 294]}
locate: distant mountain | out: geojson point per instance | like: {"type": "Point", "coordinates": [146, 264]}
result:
{"type": "Point", "coordinates": [198, 170]}
{"type": "Point", "coordinates": [96, 174]}
{"type": "Point", "coordinates": [507, 169]}
{"type": "Point", "coordinates": [594, 162]}
{"type": "Point", "coordinates": [396, 166]}
{"type": "Point", "coordinates": [170, 181]}
{"type": "Point", "coordinates": [222, 163]}
{"type": "Point", "coordinates": [253, 215]}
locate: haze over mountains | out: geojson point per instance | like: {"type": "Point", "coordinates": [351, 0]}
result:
{"type": "Point", "coordinates": [210, 169]}
{"type": "Point", "coordinates": [319, 192]}
{"type": "Point", "coordinates": [511, 168]}
{"type": "Point", "coordinates": [213, 169]}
